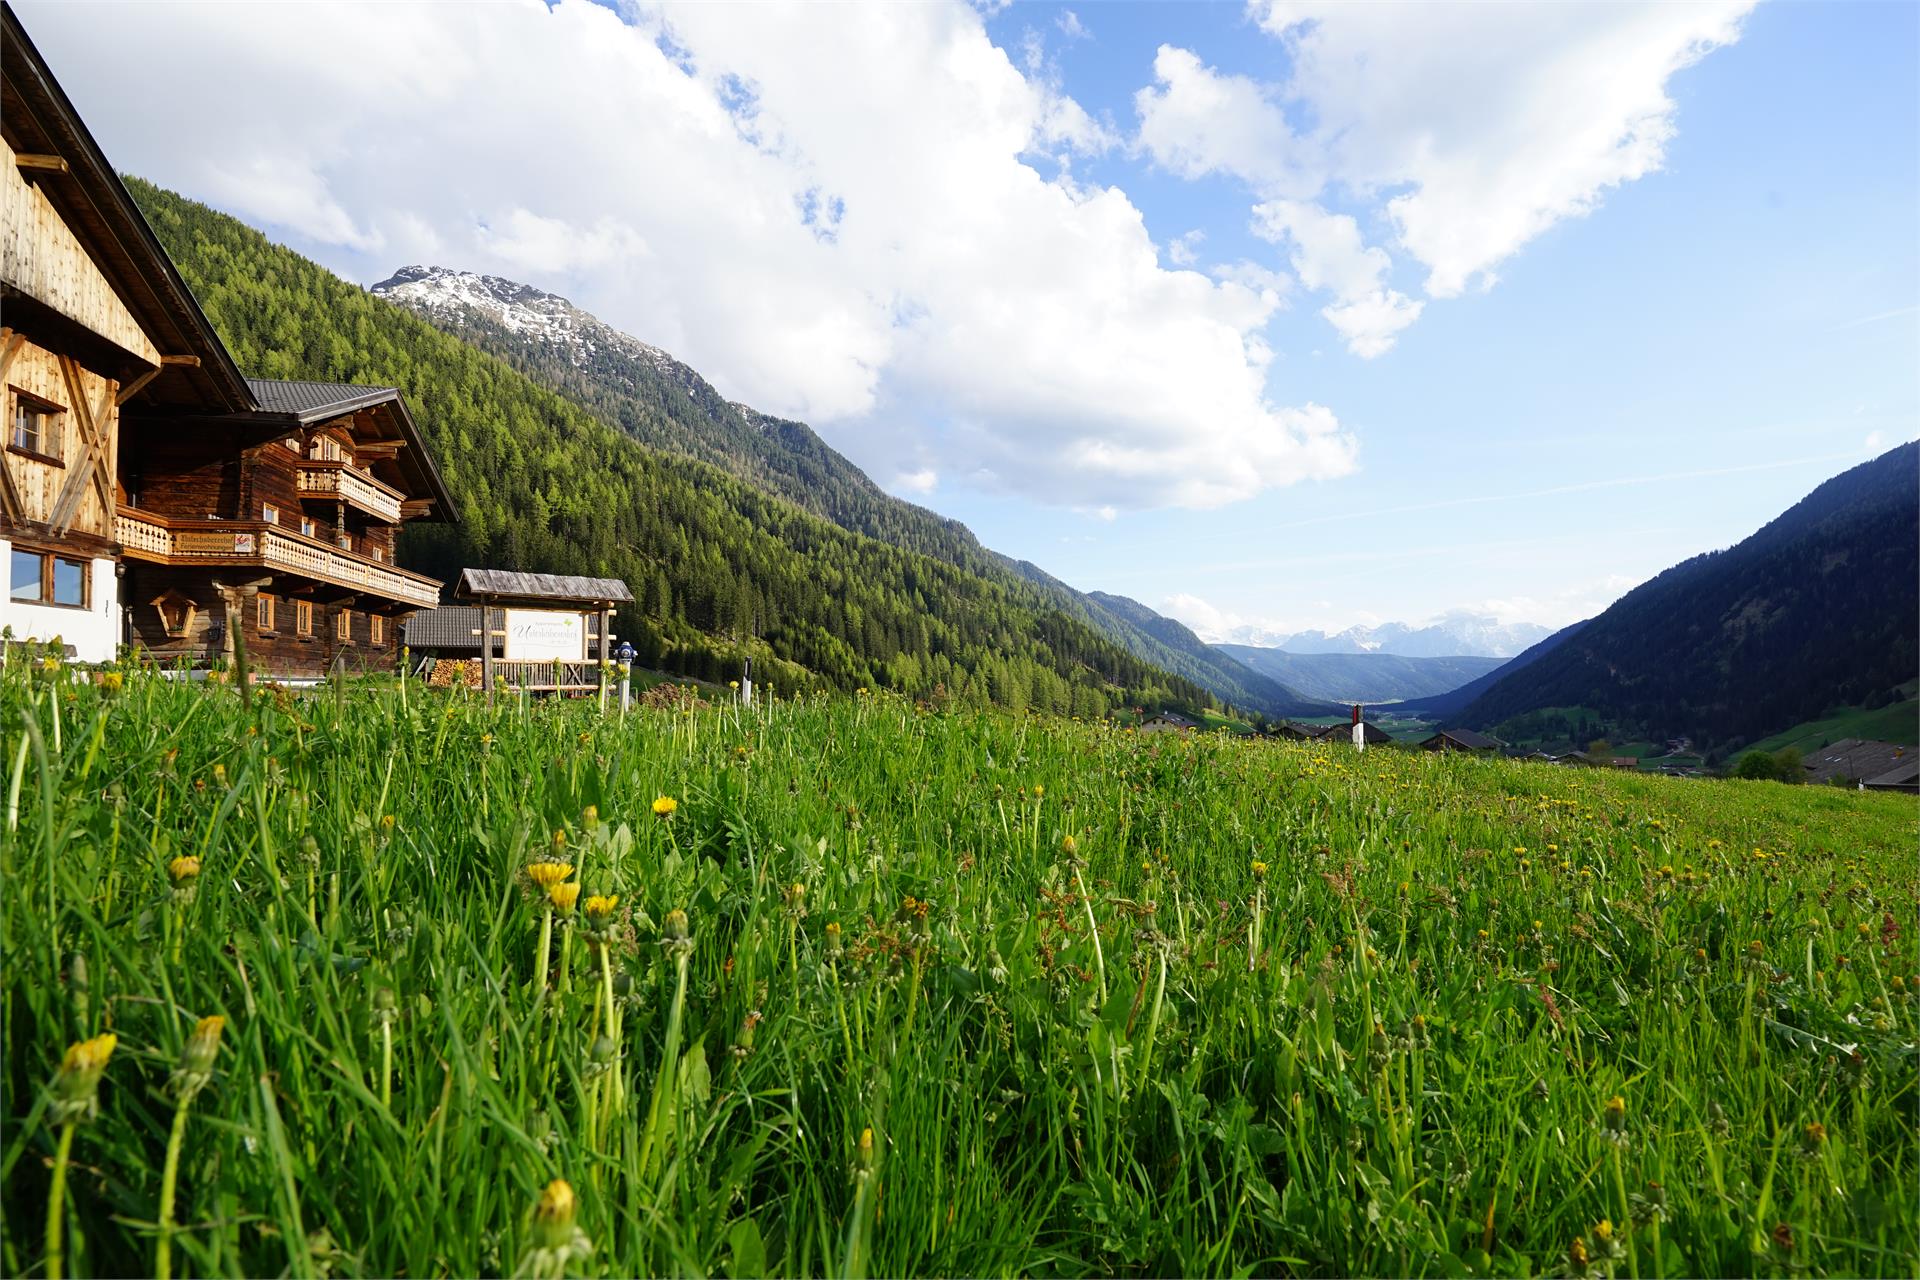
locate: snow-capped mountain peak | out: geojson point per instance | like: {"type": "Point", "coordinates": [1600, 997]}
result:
{"type": "Point", "coordinates": [518, 308]}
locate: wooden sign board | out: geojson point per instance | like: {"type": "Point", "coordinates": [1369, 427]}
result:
{"type": "Point", "coordinates": [536, 635]}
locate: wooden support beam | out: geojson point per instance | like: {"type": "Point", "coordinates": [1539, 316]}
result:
{"type": "Point", "coordinates": [132, 389]}
{"type": "Point", "coordinates": [42, 163]}
{"type": "Point", "coordinates": [10, 344]}
{"type": "Point", "coordinates": [96, 451]}
{"type": "Point", "coordinates": [188, 362]}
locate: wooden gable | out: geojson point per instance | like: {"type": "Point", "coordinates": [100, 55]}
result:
{"type": "Point", "coordinates": [43, 259]}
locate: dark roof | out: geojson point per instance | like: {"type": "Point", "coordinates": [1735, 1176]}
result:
{"type": "Point", "coordinates": [499, 584]}
{"type": "Point", "coordinates": [1905, 777]}
{"type": "Point", "coordinates": [307, 403]}
{"type": "Point", "coordinates": [1855, 759]}
{"type": "Point", "coordinates": [1344, 733]}
{"type": "Point", "coordinates": [1466, 738]}
{"type": "Point", "coordinates": [315, 401]}
{"type": "Point", "coordinates": [36, 117]}
{"type": "Point", "coordinates": [457, 626]}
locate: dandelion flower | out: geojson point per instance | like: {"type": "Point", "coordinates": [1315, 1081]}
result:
{"type": "Point", "coordinates": [663, 806]}
{"type": "Point", "coordinates": [183, 869]}
{"type": "Point", "coordinates": [76, 1086]}
{"type": "Point", "coordinates": [563, 896]}
{"type": "Point", "coordinates": [600, 910]}
{"type": "Point", "coordinates": [548, 874]}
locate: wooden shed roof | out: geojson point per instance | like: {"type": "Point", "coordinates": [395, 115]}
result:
{"type": "Point", "coordinates": [37, 118]}
{"type": "Point", "coordinates": [1466, 739]}
{"type": "Point", "coordinates": [496, 585]}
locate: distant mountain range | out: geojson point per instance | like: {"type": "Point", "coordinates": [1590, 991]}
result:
{"type": "Point", "coordinates": [1448, 705]}
{"type": "Point", "coordinates": [1361, 677]}
{"type": "Point", "coordinates": [1815, 611]}
{"type": "Point", "coordinates": [667, 405]}
{"type": "Point", "coordinates": [1451, 636]}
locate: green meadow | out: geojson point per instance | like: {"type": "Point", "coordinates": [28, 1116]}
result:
{"type": "Point", "coordinates": [385, 981]}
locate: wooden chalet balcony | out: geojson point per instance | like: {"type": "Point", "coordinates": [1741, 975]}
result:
{"type": "Point", "coordinates": [147, 535]}
{"type": "Point", "coordinates": [346, 482]}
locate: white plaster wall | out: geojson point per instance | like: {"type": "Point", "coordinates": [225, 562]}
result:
{"type": "Point", "coordinates": [94, 633]}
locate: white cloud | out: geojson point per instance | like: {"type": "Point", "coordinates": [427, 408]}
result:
{"type": "Point", "coordinates": [1071, 26]}
{"type": "Point", "coordinates": [1328, 255]}
{"type": "Point", "coordinates": [1196, 122]}
{"type": "Point", "coordinates": [929, 282]}
{"type": "Point", "coordinates": [1469, 129]}
{"type": "Point", "coordinates": [1184, 250]}
{"type": "Point", "coordinates": [923, 481]}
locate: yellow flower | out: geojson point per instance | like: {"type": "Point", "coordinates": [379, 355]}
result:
{"type": "Point", "coordinates": [600, 909]}
{"type": "Point", "coordinates": [1259, 870]}
{"type": "Point", "coordinates": [1038, 791]}
{"type": "Point", "coordinates": [1603, 1230]}
{"type": "Point", "coordinates": [663, 806]}
{"type": "Point", "coordinates": [548, 874]}
{"type": "Point", "coordinates": [1069, 846]}
{"type": "Point", "coordinates": [90, 1055]}
{"type": "Point", "coordinates": [1616, 1113]}
{"type": "Point", "coordinates": [553, 1215]}
{"type": "Point", "coordinates": [564, 896]}
{"type": "Point", "coordinates": [866, 1148]}
{"type": "Point", "coordinates": [183, 869]}
{"type": "Point", "coordinates": [76, 1086]}
{"type": "Point", "coordinates": [204, 1043]}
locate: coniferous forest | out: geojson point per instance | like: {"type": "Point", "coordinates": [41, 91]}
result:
{"type": "Point", "coordinates": [720, 570]}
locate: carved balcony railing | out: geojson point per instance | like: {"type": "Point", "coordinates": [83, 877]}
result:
{"type": "Point", "coordinates": [351, 485]}
{"type": "Point", "coordinates": [147, 535]}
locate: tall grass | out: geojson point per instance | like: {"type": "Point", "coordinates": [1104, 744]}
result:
{"type": "Point", "coordinates": [954, 995]}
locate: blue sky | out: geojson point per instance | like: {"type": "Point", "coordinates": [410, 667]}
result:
{"type": "Point", "coordinates": [1749, 310]}
{"type": "Point", "coordinates": [1613, 285]}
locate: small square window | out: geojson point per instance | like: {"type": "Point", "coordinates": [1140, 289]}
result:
{"type": "Point", "coordinates": [28, 566]}
{"type": "Point", "coordinates": [270, 513]}
{"type": "Point", "coordinates": [307, 526]}
{"type": "Point", "coordinates": [36, 426]}
{"type": "Point", "coordinates": [303, 617]}
{"type": "Point", "coordinates": [69, 582]}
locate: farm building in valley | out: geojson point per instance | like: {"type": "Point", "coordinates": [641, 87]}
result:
{"type": "Point", "coordinates": [149, 494]}
{"type": "Point", "coordinates": [1863, 762]}
{"type": "Point", "coordinates": [1462, 740]}
{"type": "Point", "coordinates": [1343, 734]}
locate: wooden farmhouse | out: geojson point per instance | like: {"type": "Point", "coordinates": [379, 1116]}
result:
{"type": "Point", "coordinates": [280, 521]}
{"type": "Point", "coordinates": [149, 494]}
{"type": "Point", "coordinates": [1462, 740]}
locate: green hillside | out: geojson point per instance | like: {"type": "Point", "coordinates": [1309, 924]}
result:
{"type": "Point", "coordinates": [1895, 722]}
{"type": "Point", "coordinates": [1815, 610]}
{"type": "Point", "coordinates": [719, 568]}
{"type": "Point", "coordinates": [667, 405]}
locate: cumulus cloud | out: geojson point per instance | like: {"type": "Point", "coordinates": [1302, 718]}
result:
{"type": "Point", "coordinates": [1469, 129]}
{"type": "Point", "coordinates": [930, 282]}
